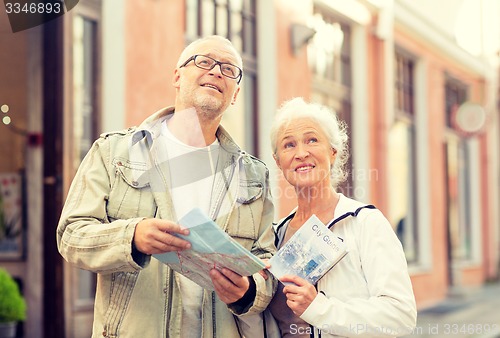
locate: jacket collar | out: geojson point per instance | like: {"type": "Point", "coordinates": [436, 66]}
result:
{"type": "Point", "coordinates": [344, 206]}
{"type": "Point", "coordinates": [149, 130]}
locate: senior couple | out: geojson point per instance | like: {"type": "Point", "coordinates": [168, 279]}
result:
{"type": "Point", "coordinates": [134, 185]}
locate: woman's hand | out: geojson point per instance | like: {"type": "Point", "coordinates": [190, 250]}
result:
{"type": "Point", "coordinates": [299, 295]}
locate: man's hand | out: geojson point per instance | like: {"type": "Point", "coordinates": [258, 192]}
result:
{"type": "Point", "coordinates": [265, 274]}
{"type": "Point", "coordinates": [154, 236]}
{"type": "Point", "coordinates": [299, 295]}
{"type": "Point", "coordinates": [229, 286]}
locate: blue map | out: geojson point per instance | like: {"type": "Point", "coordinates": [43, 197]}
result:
{"type": "Point", "coordinates": [211, 248]}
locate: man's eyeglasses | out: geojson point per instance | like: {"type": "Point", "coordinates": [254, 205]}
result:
{"type": "Point", "coordinates": [206, 62]}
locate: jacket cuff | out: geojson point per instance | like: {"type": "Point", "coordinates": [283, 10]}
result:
{"type": "Point", "coordinates": [245, 302]}
{"type": "Point", "coordinates": [263, 295]}
{"type": "Point", "coordinates": [138, 258]}
{"type": "Point", "coordinates": [310, 315]}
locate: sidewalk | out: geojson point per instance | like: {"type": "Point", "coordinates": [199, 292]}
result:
{"type": "Point", "coordinates": [468, 313]}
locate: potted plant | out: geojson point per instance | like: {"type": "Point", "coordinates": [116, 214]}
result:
{"type": "Point", "coordinates": [12, 305]}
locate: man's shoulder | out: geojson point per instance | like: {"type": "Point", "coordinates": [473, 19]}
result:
{"type": "Point", "coordinates": [253, 159]}
{"type": "Point", "coordinates": [118, 133]}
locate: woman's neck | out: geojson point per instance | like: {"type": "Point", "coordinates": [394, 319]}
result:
{"type": "Point", "coordinates": [321, 203]}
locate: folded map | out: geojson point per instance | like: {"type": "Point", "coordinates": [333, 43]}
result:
{"type": "Point", "coordinates": [211, 248]}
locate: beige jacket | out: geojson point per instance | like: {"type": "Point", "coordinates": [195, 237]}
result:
{"type": "Point", "coordinates": [115, 188]}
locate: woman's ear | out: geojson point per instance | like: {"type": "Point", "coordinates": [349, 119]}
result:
{"type": "Point", "coordinates": [334, 154]}
{"type": "Point", "coordinates": [277, 160]}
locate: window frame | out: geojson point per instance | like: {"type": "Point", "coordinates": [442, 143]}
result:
{"type": "Point", "coordinates": [405, 102]}
{"type": "Point", "coordinates": [246, 44]}
{"type": "Point", "coordinates": [457, 92]}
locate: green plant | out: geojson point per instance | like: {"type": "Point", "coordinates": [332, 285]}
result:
{"type": "Point", "coordinates": [12, 304]}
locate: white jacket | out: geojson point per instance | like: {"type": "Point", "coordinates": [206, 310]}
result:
{"type": "Point", "coordinates": [369, 292]}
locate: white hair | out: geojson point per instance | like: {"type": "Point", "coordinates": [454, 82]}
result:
{"type": "Point", "coordinates": [188, 50]}
{"type": "Point", "coordinates": [326, 119]}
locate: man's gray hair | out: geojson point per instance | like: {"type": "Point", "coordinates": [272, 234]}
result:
{"type": "Point", "coordinates": [327, 120]}
{"type": "Point", "coordinates": [188, 51]}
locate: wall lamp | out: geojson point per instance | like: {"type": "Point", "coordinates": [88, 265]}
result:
{"type": "Point", "coordinates": [299, 36]}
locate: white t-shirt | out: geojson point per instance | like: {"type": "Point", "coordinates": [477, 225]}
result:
{"type": "Point", "coordinates": [192, 174]}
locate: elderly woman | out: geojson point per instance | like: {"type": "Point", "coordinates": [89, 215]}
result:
{"type": "Point", "coordinates": [369, 292]}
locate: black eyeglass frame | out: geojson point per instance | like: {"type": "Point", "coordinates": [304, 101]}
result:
{"type": "Point", "coordinates": [216, 62]}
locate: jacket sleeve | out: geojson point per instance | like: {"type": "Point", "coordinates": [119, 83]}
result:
{"type": "Point", "coordinates": [85, 235]}
{"type": "Point", "coordinates": [389, 310]}
{"type": "Point", "coordinates": [263, 248]}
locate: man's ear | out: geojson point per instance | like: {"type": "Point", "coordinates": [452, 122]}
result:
{"type": "Point", "coordinates": [176, 78]}
{"type": "Point", "coordinates": [235, 95]}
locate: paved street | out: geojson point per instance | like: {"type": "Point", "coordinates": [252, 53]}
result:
{"type": "Point", "coordinates": [467, 313]}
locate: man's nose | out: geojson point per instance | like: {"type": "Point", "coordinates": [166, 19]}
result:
{"type": "Point", "coordinates": [217, 71]}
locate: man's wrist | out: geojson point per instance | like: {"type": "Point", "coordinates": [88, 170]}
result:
{"type": "Point", "coordinates": [248, 297]}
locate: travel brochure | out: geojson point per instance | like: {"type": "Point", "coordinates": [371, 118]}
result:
{"type": "Point", "coordinates": [310, 253]}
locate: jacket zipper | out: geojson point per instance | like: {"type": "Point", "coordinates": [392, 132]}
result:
{"type": "Point", "coordinates": [168, 307]}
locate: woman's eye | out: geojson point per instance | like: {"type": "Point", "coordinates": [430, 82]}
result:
{"type": "Point", "coordinates": [288, 145]}
{"type": "Point", "coordinates": [312, 140]}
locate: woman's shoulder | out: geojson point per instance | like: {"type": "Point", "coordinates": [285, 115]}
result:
{"type": "Point", "coordinates": [347, 205]}
{"type": "Point", "coordinates": [366, 217]}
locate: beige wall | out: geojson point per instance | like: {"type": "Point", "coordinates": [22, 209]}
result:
{"type": "Point", "coordinates": [294, 78]}
{"type": "Point", "coordinates": [154, 38]}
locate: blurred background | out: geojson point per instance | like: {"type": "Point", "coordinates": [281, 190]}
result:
{"type": "Point", "coordinates": [416, 81]}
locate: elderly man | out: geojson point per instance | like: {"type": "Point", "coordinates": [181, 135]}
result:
{"type": "Point", "coordinates": [134, 185]}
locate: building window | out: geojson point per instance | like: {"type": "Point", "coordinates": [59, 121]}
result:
{"type": "Point", "coordinates": [402, 159]}
{"type": "Point", "coordinates": [235, 20]}
{"type": "Point", "coordinates": [457, 177]}
{"type": "Point", "coordinates": [329, 57]}
{"type": "Point", "coordinates": [404, 78]}
{"type": "Point", "coordinates": [455, 95]}
{"type": "Point", "coordinates": [84, 86]}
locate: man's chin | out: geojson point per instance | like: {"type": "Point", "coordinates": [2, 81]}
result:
{"type": "Point", "coordinates": [210, 106]}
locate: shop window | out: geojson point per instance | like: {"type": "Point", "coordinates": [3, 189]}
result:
{"type": "Point", "coordinates": [402, 143]}
{"type": "Point", "coordinates": [457, 177]}
{"type": "Point", "coordinates": [84, 119]}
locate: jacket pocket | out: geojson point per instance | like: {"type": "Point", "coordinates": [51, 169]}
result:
{"type": "Point", "coordinates": [122, 285]}
{"type": "Point", "coordinates": [249, 192]}
{"type": "Point", "coordinates": [245, 220]}
{"type": "Point", "coordinates": [130, 195]}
